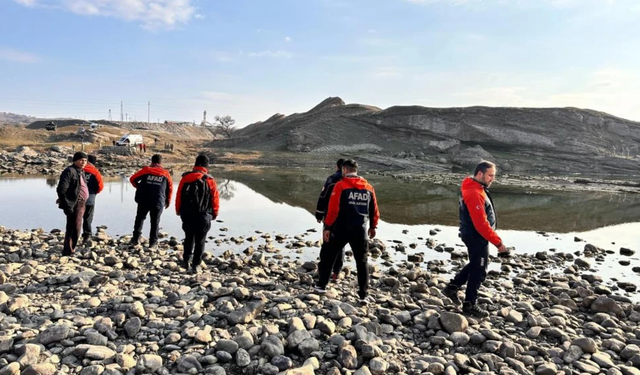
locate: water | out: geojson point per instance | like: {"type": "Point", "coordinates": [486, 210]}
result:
{"type": "Point", "coordinates": [282, 202]}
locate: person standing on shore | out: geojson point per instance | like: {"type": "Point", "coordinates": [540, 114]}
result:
{"type": "Point", "coordinates": [321, 212]}
{"type": "Point", "coordinates": [95, 185]}
{"type": "Point", "coordinates": [478, 223]}
{"type": "Point", "coordinates": [153, 193]}
{"type": "Point", "coordinates": [352, 207]}
{"type": "Point", "coordinates": [197, 203]}
{"type": "Point", "coordinates": [73, 193]}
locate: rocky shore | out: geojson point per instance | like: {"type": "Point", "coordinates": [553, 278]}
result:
{"type": "Point", "coordinates": [110, 309]}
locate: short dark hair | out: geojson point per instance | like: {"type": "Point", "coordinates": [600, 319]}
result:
{"type": "Point", "coordinates": [350, 165]}
{"type": "Point", "coordinates": [483, 166]}
{"type": "Point", "coordinates": [339, 163]}
{"type": "Point", "coordinates": [92, 159]}
{"type": "Point", "coordinates": [157, 158]}
{"type": "Point", "coordinates": [202, 161]}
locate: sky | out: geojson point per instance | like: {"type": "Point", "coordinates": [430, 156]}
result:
{"type": "Point", "coordinates": [250, 59]}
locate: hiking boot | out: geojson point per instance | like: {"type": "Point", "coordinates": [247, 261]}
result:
{"type": "Point", "coordinates": [153, 245]}
{"type": "Point", "coordinates": [184, 264]}
{"type": "Point", "coordinates": [473, 309]}
{"type": "Point", "coordinates": [364, 299]}
{"type": "Point", "coordinates": [319, 289]}
{"type": "Point", "coordinates": [451, 291]}
{"type": "Point", "coordinates": [334, 276]}
{"type": "Point", "coordinates": [194, 270]}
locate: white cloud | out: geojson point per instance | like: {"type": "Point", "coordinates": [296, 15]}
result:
{"type": "Point", "coordinates": [27, 3]}
{"type": "Point", "coordinates": [152, 14]}
{"type": "Point", "coordinates": [222, 56]}
{"type": "Point", "coordinates": [387, 72]}
{"type": "Point", "coordinates": [12, 55]}
{"type": "Point", "coordinates": [287, 39]}
{"type": "Point", "coordinates": [272, 54]}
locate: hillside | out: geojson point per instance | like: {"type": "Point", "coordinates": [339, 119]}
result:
{"type": "Point", "coordinates": [567, 140]}
{"type": "Point", "coordinates": [12, 118]}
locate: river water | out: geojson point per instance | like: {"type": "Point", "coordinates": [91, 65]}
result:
{"type": "Point", "coordinates": [283, 202]}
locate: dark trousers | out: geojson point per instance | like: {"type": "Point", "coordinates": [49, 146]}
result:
{"type": "Point", "coordinates": [331, 252]}
{"type": "Point", "coordinates": [72, 230]}
{"type": "Point", "coordinates": [87, 221]}
{"type": "Point", "coordinates": [474, 273]}
{"type": "Point", "coordinates": [195, 229]}
{"type": "Point", "coordinates": [339, 262]}
{"type": "Point", "coordinates": [154, 215]}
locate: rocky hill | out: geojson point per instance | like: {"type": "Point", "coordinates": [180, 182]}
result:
{"type": "Point", "coordinates": [567, 140]}
{"type": "Point", "coordinates": [13, 118]}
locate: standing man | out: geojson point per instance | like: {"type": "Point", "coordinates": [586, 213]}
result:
{"type": "Point", "coordinates": [197, 203]}
{"type": "Point", "coordinates": [321, 211]}
{"type": "Point", "coordinates": [153, 193]}
{"type": "Point", "coordinates": [72, 195]}
{"type": "Point", "coordinates": [95, 184]}
{"type": "Point", "coordinates": [352, 207]}
{"type": "Point", "coordinates": [478, 223]}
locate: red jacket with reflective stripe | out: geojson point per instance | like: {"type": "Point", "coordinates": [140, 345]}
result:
{"type": "Point", "coordinates": [352, 203]}
{"type": "Point", "coordinates": [477, 214]}
{"type": "Point", "coordinates": [190, 177]}
{"type": "Point", "coordinates": [90, 168]}
{"type": "Point", "coordinates": [153, 184]}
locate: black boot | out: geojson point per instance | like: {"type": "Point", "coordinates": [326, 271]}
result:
{"type": "Point", "coordinates": [473, 309]}
{"type": "Point", "coordinates": [451, 291]}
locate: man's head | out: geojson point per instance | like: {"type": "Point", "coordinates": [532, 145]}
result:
{"type": "Point", "coordinates": [485, 172]}
{"type": "Point", "coordinates": [202, 161]}
{"type": "Point", "coordinates": [349, 166]}
{"type": "Point", "coordinates": [92, 159]}
{"type": "Point", "coordinates": [339, 164]}
{"type": "Point", "coordinates": [80, 159]}
{"type": "Point", "coordinates": [156, 159]}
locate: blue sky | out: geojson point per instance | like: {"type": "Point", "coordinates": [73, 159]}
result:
{"type": "Point", "coordinates": [253, 58]}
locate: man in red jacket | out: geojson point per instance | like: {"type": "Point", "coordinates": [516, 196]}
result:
{"type": "Point", "coordinates": [95, 184]}
{"type": "Point", "coordinates": [197, 203]}
{"type": "Point", "coordinates": [478, 223]}
{"type": "Point", "coordinates": [352, 208]}
{"type": "Point", "coordinates": [153, 193]}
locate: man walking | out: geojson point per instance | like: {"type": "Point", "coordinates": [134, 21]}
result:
{"type": "Point", "coordinates": [478, 223]}
{"type": "Point", "coordinates": [352, 207]}
{"type": "Point", "coordinates": [197, 203]}
{"type": "Point", "coordinates": [153, 193]}
{"type": "Point", "coordinates": [95, 185]}
{"type": "Point", "coordinates": [72, 195]}
{"type": "Point", "coordinates": [321, 211]}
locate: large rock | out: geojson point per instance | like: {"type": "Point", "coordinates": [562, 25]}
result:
{"type": "Point", "coordinates": [149, 363]}
{"type": "Point", "coordinates": [348, 357]}
{"type": "Point", "coordinates": [40, 369]}
{"type": "Point", "coordinates": [452, 322]}
{"type": "Point", "coordinates": [607, 305]}
{"type": "Point", "coordinates": [246, 314]}
{"type": "Point", "coordinates": [55, 334]}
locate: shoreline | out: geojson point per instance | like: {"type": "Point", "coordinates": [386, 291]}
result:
{"type": "Point", "coordinates": [110, 309]}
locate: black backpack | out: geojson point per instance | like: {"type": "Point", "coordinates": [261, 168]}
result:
{"type": "Point", "coordinates": [196, 196]}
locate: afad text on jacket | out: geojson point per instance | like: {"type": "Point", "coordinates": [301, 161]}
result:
{"type": "Point", "coordinates": [477, 212]}
{"type": "Point", "coordinates": [352, 206]}
{"type": "Point", "coordinates": [153, 186]}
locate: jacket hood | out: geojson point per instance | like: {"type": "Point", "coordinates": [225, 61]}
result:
{"type": "Point", "coordinates": [155, 170]}
{"type": "Point", "coordinates": [354, 182]}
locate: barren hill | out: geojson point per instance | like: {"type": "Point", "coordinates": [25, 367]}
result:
{"type": "Point", "coordinates": [564, 140]}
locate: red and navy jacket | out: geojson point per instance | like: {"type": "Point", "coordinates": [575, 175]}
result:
{"type": "Point", "coordinates": [95, 184]}
{"type": "Point", "coordinates": [477, 213]}
{"type": "Point", "coordinates": [325, 194]}
{"type": "Point", "coordinates": [352, 206]}
{"type": "Point", "coordinates": [153, 186]}
{"type": "Point", "coordinates": [192, 176]}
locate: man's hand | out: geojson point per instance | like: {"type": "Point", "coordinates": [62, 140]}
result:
{"type": "Point", "coordinates": [502, 248]}
{"type": "Point", "coordinates": [166, 205]}
{"type": "Point", "coordinates": [372, 232]}
{"type": "Point", "coordinates": [325, 235]}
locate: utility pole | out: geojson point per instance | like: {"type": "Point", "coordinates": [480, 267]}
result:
{"type": "Point", "coordinates": [121, 118]}
{"type": "Point", "coordinates": [148, 113]}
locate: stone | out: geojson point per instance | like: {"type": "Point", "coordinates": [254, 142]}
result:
{"type": "Point", "coordinates": [588, 345]}
{"type": "Point", "coordinates": [12, 368]}
{"type": "Point", "coordinates": [348, 357]}
{"type": "Point", "coordinates": [272, 346]}
{"type": "Point", "coordinates": [608, 305]}
{"type": "Point", "coordinates": [282, 362]}
{"type": "Point", "coordinates": [99, 352]}
{"type": "Point", "coordinates": [148, 363]}
{"type": "Point", "coordinates": [228, 346]}
{"type": "Point", "coordinates": [304, 370]}
{"type": "Point", "coordinates": [629, 351]}
{"type": "Point", "coordinates": [308, 346]}
{"type": "Point", "coordinates": [187, 363]}
{"type": "Point", "coordinates": [137, 309]}
{"type": "Point", "coordinates": [452, 322]}
{"type": "Point", "coordinates": [246, 314]}
{"type": "Point", "coordinates": [6, 343]}
{"type": "Point", "coordinates": [547, 369]}
{"type": "Point", "coordinates": [133, 326]}
{"type": "Point", "coordinates": [125, 361]}
{"type": "Point", "coordinates": [378, 366]}
{"type": "Point", "coordinates": [92, 370]}
{"type": "Point", "coordinates": [40, 369]}
{"type": "Point", "coordinates": [243, 359]}
{"type": "Point", "coordinates": [54, 334]}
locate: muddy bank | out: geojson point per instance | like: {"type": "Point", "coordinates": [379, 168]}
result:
{"type": "Point", "coordinates": [111, 309]}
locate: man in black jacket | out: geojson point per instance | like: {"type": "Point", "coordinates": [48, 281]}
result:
{"type": "Point", "coordinates": [321, 212]}
{"type": "Point", "coordinates": [72, 195]}
{"type": "Point", "coordinates": [153, 194]}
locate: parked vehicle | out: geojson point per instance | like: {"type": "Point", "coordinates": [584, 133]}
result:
{"type": "Point", "coordinates": [51, 126]}
{"type": "Point", "coordinates": [130, 140]}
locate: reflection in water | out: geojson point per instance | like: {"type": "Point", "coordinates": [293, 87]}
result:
{"type": "Point", "coordinates": [52, 182]}
{"type": "Point", "coordinates": [226, 190]}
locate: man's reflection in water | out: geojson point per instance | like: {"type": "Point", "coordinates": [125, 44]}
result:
{"type": "Point", "coordinates": [52, 182]}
